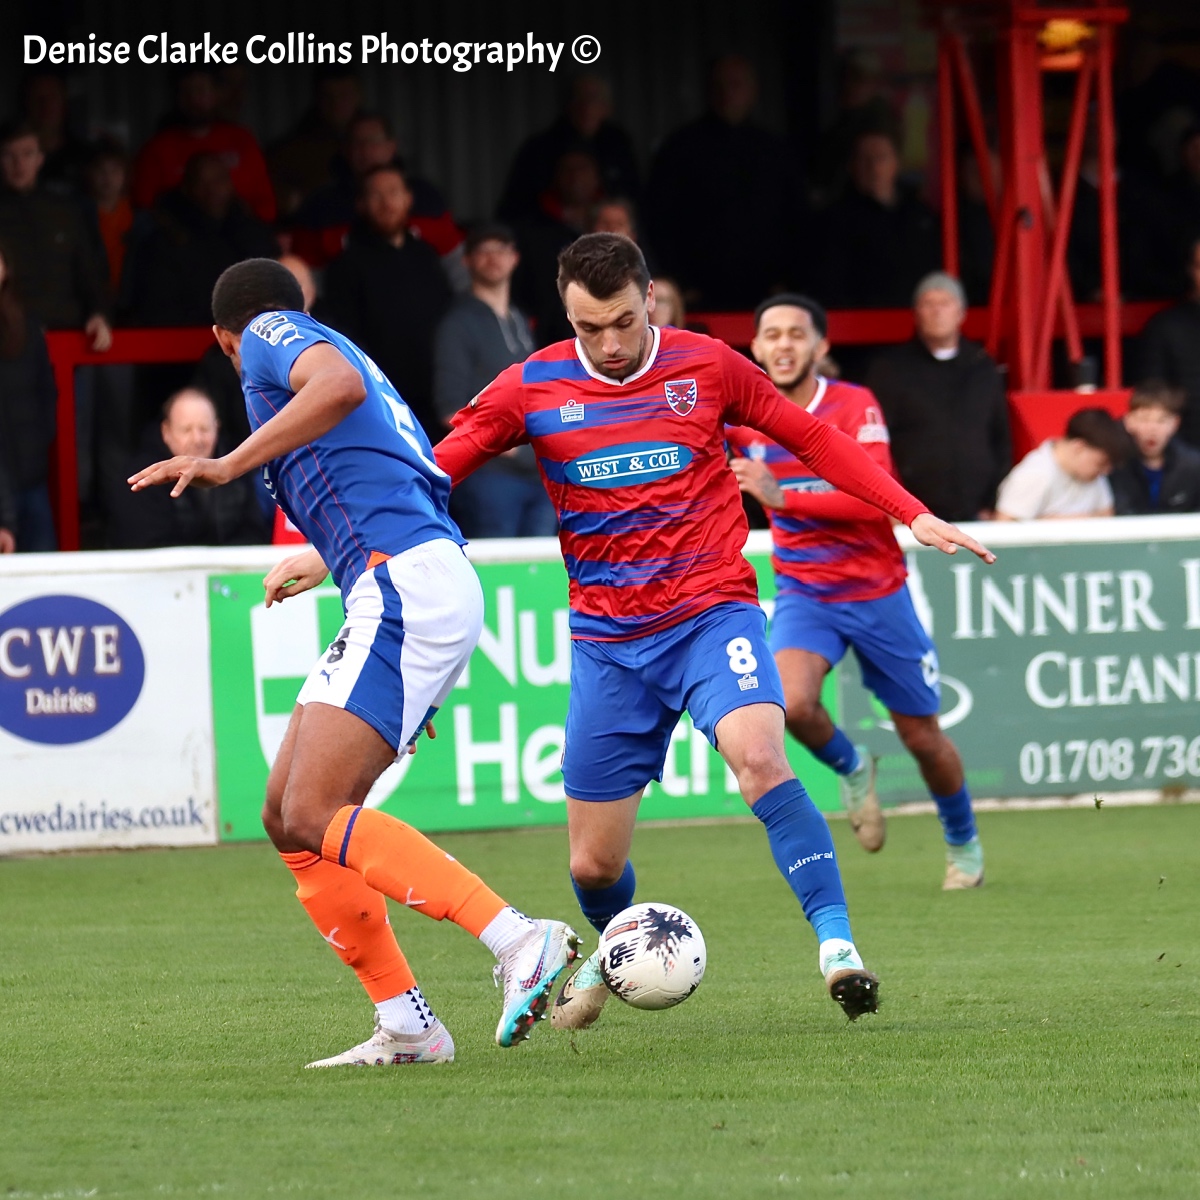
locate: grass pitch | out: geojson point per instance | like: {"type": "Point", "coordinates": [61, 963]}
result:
{"type": "Point", "coordinates": [1038, 1038]}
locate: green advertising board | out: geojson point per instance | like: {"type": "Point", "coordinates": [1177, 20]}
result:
{"type": "Point", "coordinates": [1067, 669]}
{"type": "Point", "coordinates": [495, 761]}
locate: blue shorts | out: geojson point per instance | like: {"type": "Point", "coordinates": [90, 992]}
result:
{"type": "Point", "coordinates": [627, 697]}
{"type": "Point", "coordinates": [898, 660]}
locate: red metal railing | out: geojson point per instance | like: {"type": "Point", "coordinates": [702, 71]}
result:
{"type": "Point", "coordinates": [69, 350]}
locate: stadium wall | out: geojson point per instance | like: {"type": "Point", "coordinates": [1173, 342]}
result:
{"type": "Point", "coordinates": [143, 695]}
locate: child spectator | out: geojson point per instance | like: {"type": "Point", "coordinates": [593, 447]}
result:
{"type": "Point", "coordinates": [1163, 473]}
{"type": "Point", "coordinates": [1065, 477]}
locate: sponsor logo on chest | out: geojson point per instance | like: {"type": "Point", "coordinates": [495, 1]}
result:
{"type": "Point", "coordinates": [628, 465]}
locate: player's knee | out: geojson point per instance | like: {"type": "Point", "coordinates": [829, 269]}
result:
{"type": "Point", "coordinates": [301, 826]}
{"type": "Point", "coordinates": [922, 739]}
{"type": "Point", "coordinates": [596, 869]}
{"type": "Point", "coordinates": [801, 711]}
{"type": "Point", "coordinates": [761, 766]}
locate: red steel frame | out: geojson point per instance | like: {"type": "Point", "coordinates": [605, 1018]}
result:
{"type": "Point", "coordinates": [1030, 301]}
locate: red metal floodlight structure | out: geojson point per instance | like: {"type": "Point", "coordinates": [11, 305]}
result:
{"type": "Point", "coordinates": [1031, 297]}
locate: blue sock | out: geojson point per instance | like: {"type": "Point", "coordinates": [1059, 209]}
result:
{"type": "Point", "coordinates": [838, 753]}
{"type": "Point", "coordinates": [832, 921]}
{"type": "Point", "coordinates": [600, 905]}
{"type": "Point", "coordinates": [803, 849]}
{"type": "Point", "coordinates": [956, 816]}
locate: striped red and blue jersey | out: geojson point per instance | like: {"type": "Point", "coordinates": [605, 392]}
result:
{"type": "Point", "coordinates": [368, 486]}
{"type": "Point", "coordinates": [827, 544]}
{"type": "Point", "coordinates": [650, 516]}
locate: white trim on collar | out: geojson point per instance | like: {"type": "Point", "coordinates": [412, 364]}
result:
{"type": "Point", "coordinates": [587, 366]}
{"type": "Point", "coordinates": [819, 394]}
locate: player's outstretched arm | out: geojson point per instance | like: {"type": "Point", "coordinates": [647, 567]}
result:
{"type": "Point", "coordinates": [326, 388]}
{"type": "Point", "coordinates": [931, 531]}
{"type": "Point", "coordinates": [295, 574]}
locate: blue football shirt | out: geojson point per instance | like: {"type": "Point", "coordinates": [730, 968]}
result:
{"type": "Point", "coordinates": [369, 485]}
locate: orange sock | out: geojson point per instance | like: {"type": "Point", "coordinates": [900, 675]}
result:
{"type": "Point", "coordinates": [404, 864]}
{"type": "Point", "coordinates": [352, 917]}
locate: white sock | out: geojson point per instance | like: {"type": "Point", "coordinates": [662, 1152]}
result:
{"type": "Point", "coordinates": [407, 1013]}
{"type": "Point", "coordinates": [833, 946]}
{"type": "Point", "coordinates": [505, 930]}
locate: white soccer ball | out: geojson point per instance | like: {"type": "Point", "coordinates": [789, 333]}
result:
{"type": "Point", "coordinates": [652, 955]}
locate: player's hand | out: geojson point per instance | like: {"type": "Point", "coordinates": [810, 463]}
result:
{"type": "Point", "coordinates": [183, 471]}
{"type": "Point", "coordinates": [755, 479]}
{"type": "Point", "coordinates": [295, 574]}
{"type": "Point", "coordinates": [429, 729]}
{"type": "Point", "coordinates": [930, 531]}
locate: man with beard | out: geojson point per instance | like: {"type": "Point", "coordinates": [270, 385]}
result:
{"type": "Point", "coordinates": [840, 576]}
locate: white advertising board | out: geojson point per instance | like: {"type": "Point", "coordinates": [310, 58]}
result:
{"type": "Point", "coordinates": [105, 703]}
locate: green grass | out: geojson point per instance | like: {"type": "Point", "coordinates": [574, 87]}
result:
{"type": "Point", "coordinates": [1038, 1038]}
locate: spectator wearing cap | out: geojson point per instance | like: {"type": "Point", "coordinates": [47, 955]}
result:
{"type": "Point", "coordinates": [481, 335]}
{"type": "Point", "coordinates": [195, 128]}
{"type": "Point", "coordinates": [1170, 348]}
{"type": "Point", "coordinates": [944, 403]}
{"type": "Point", "coordinates": [1067, 476]}
{"type": "Point", "coordinates": [1162, 474]}
{"type": "Point", "coordinates": [387, 291]}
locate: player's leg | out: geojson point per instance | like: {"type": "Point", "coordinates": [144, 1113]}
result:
{"type": "Point", "coordinates": [410, 627]}
{"type": "Point", "coordinates": [941, 768]}
{"type": "Point", "coordinates": [617, 736]}
{"type": "Point", "coordinates": [734, 694]}
{"type": "Point", "coordinates": [352, 918]}
{"type": "Point", "coordinates": [802, 672]}
{"type": "Point", "coordinates": [900, 666]}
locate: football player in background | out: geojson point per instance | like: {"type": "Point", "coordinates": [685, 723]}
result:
{"type": "Point", "coordinates": [841, 585]}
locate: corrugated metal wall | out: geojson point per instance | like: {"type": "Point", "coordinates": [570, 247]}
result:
{"type": "Point", "coordinates": [458, 129]}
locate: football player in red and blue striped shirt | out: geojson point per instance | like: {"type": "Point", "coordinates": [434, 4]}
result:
{"type": "Point", "coordinates": [840, 577]}
{"type": "Point", "coordinates": [628, 425]}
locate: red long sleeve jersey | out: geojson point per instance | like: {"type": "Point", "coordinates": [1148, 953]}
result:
{"type": "Point", "coordinates": [828, 545]}
{"type": "Point", "coordinates": [650, 516]}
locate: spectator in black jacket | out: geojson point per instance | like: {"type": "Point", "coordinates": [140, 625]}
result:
{"type": "Point", "coordinates": [723, 202]}
{"type": "Point", "coordinates": [586, 126]}
{"type": "Point", "coordinates": [387, 291]}
{"type": "Point", "coordinates": [28, 399]}
{"type": "Point", "coordinates": [200, 228]}
{"type": "Point", "coordinates": [59, 261]}
{"type": "Point", "coordinates": [224, 516]}
{"type": "Point", "coordinates": [944, 403]}
{"type": "Point", "coordinates": [1163, 474]}
{"type": "Point", "coordinates": [879, 238]}
{"type": "Point", "coordinates": [1170, 349]}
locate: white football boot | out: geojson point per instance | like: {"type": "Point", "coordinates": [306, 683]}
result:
{"type": "Point", "coordinates": [527, 973]}
{"type": "Point", "coordinates": [388, 1049]}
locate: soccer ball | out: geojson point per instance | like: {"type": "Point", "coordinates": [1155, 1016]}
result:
{"type": "Point", "coordinates": [652, 955]}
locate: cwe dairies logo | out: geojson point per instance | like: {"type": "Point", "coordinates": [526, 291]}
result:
{"type": "Point", "coordinates": [70, 669]}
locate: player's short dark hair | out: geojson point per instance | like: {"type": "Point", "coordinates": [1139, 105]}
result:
{"type": "Point", "coordinates": [603, 264]}
{"type": "Point", "coordinates": [1102, 431]}
{"type": "Point", "coordinates": [815, 310]}
{"type": "Point", "coordinates": [256, 285]}
{"type": "Point", "coordinates": [12, 131]}
{"type": "Point", "coordinates": [488, 231]}
{"type": "Point", "coordinates": [1153, 393]}
{"type": "Point", "coordinates": [391, 168]}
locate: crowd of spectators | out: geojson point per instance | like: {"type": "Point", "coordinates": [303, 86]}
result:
{"type": "Point", "coordinates": [94, 234]}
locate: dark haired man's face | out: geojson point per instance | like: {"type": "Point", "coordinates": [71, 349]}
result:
{"type": "Point", "coordinates": [614, 333]}
{"type": "Point", "coordinates": [386, 203]}
{"type": "Point", "coordinates": [338, 100]}
{"type": "Point", "coordinates": [209, 186]}
{"type": "Point", "coordinates": [369, 146]}
{"type": "Point", "coordinates": [874, 167]}
{"type": "Point", "coordinates": [492, 262]}
{"type": "Point", "coordinates": [20, 161]}
{"type": "Point", "coordinates": [198, 97]}
{"type": "Point", "coordinates": [787, 345]}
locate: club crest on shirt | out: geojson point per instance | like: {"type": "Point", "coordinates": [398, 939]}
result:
{"type": "Point", "coordinates": [681, 395]}
{"type": "Point", "coordinates": [570, 412]}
